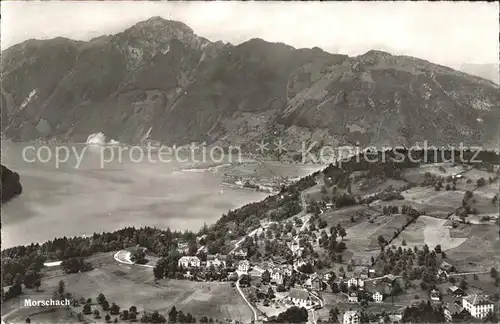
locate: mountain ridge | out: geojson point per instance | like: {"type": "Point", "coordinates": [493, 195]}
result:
{"type": "Point", "coordinates": [158, 74]}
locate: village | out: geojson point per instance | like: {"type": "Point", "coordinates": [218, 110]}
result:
{"type": "Point", "coordinates": [302, 262]}
{"type": "Point", "coordinates": [416, 247]}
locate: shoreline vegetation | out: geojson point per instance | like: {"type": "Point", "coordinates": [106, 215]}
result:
{"type": "Point", "coordinates": [23, 264]}
{"type": "Point", "coordinates": [10, 186]}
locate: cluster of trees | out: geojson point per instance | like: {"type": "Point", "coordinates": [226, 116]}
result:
{"type": "Point", "coordinates": [330, 243]}
{"type": "Point", "coordinates": [423, 313]}
{"type": "Point", "coordinates": [291, 315]}
{"type": "Point", "coordinates": [75, 265]}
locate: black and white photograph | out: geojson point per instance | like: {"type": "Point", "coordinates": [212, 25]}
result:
{"type": "Point", "coordinates": [250, 162]}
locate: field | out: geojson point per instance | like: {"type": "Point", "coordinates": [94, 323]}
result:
{"type": "Point", "coordinates": [434, 202]}
{"type": "Point", "coordinates": [431, 231]}
{"type": "Point", "coordinates": [376, 187]}
{"type": "Point", "coordinates": [41, 316]}
{"type": "Point", "coordinates": [362, 238]}
{"type": "Point", "coordinates": [416, 175]}
{"type": "Point", "coordinates": [129, 285]}
{"type": "Point", "coordinates": [479, 251]}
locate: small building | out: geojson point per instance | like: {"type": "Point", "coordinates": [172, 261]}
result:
{"type": "Point", "coordinates": [454, 312]}
{"type": "Point", "coordinates": [316, 284]}
{"type": "Point", "coordinates": [352, 297]}
{"type": "Point", "coordinates": [240, 253]}
{"type": "Point", "coordinates": [299, 297]}
{"type": "Point", "coordinates": [435, 295]}
{"type": "Point", "coordinates": [456, 291]}
{"type": "Point", "coordinates": [350, 317]}
{"type": "Point", "coordinates": [442, 274]}
{"type": "Point", "coordinates": [243, 266]}
{"type": "Point", "coordinates": [478, 306]}
{"type": "Point", "coordinates": [377, 297]}
{"type": "Point", "coordinates": [355, 282]}
{"type": "Point", "coordinates": [189, 262]}
{"type": "Point", "coordinates": [287, 269]}
{"type": "Point", "coordinates": [446, 266]}
{"type": "Point", "coordinates": [371, 273]}
{"type": "Point", "coordinates": [217, 260]}
{"type": "Point", "coordinates": [277, 276]}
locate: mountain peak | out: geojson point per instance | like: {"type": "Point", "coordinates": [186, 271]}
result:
{"type": "Point", "coordinates": [161, 23]}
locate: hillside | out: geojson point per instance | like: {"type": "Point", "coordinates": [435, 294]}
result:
{"type": "Point", "coordinates": [159, 75]}
{"type": "Point", "coordinates": [9, 184]}
{"type": "Point", "coordinates": [487, 71]}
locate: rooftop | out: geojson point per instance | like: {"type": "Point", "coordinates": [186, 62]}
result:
{"type": "Point", "coordinates": [478, 300]}
{"type": "Point", "coordinates": [299, 294]}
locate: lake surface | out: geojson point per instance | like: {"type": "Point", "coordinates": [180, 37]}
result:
{"type": "Point", "coordinates": [65, 200]}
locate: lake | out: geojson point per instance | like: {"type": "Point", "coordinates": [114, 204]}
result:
{"type": "Point", "coordinates": [80, 196]}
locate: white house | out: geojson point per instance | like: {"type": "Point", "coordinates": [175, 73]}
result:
{"type": "Point", "coordinates": [478, 306]}
{"type": "Point", "coordinates": [351, 317]}
{"type": "Point", "coordinates": [189, 262]}
{"type": "Point", "coordinates": [240, 252]}
{"type": "Point", "coordinates": [277, 276]}
{"type": "Point", "coordinates": [352, 297]}
{"type": "Point", "coordinates": [377, 297]}
{"type": "Point", "coordinates": [435, 295]}
{"type": "Point", "coordinates": [243, 266]}
{"type": "Point", "coordinates": [355, 282]}
{"type": "Point", "coordinates": [216, 260]}
{"type": "Point", "coordinates": [299, 297]}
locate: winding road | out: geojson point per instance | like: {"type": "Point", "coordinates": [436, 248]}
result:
{"type": "Point", "coordinates": [246, 300]}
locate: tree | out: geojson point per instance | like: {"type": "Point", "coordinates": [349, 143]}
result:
{"type": "Point", "coordinates": [60, 288]}
{"type": "Point", "coordinates": [341, 232]}
{"type": "Point", "coordinates": [125, 315]}
{"type": "Point", "coordinates": [100, 299]}
{"type": "Point", "coordinates": [333, 315]}
{"type": "Point", "coordinates": [114, 309]}
{"type": "Point", "coordinates": [139, 256]}
{"type": "Point", "coordinates": [381, 241]}
{"type": "Point", "coordinates": [293, 314]}
{"type": "Point", "coordinates": [37, 283]}
{"type": "Point", "coordinates": [86, 309]}
{"type": "Point", "coordinates": [97, 314]}
{"type": "Point", "coordinates": [172, 315]}
{"type": "Point", "coordinates": [133, 317]}
{"type": "Point", "coordinates": [107, 318]}
{"type": "Point", "coordinates": [105, 305]}
{"type": "Point", "coordinates": [463, 284]}
{"type": "Point", "coordinates": [28, 320]}
{"type": "Point", "coordinates": [266, 277]}
{"type": "Point", "coordinates": [493, 273]}
{"type": "Point", "coordinates": [133, 309]}
{"type": "Point", "coordinates": [480, 182]}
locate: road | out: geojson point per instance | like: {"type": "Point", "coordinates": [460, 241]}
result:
{"type": "Point", "coordinates": [246, 300]}
{"type": "Point", "coordinates": [124, 257]}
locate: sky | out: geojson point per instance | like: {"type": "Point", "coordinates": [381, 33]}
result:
{"type": "Point", "coordinates": [447, 33]}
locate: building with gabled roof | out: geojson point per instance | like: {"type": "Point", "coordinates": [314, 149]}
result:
{"type": "Point", "coordinates": [189, 262]}
{"type": "Point", "coordinates": [478, 306]}
{"type": "Point", "coordinates": [299, 297]}
{"type": "Point", "coordinates": [454, 312]}
{"type": "Point", "coordinates": [217, 260]}
{"type": "Point", "coordinates": [352, 297]}
{"type": "Point", "coordinates": [244, 266]}
{"type": "Point", "coordinates": [350, 317]}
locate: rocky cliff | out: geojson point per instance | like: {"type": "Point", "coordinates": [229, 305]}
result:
{"type": "Point", "coordinates": [158, 77]}
{"type": "Point", "coordinates": [9, 184]}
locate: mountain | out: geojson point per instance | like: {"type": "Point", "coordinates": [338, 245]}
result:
{"type": "Point", "coordinates": [487, 71]}
{"type": "Point", "coordinates": [9, 184]}
{"type": "Point", "coordinates": [159, 79]}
